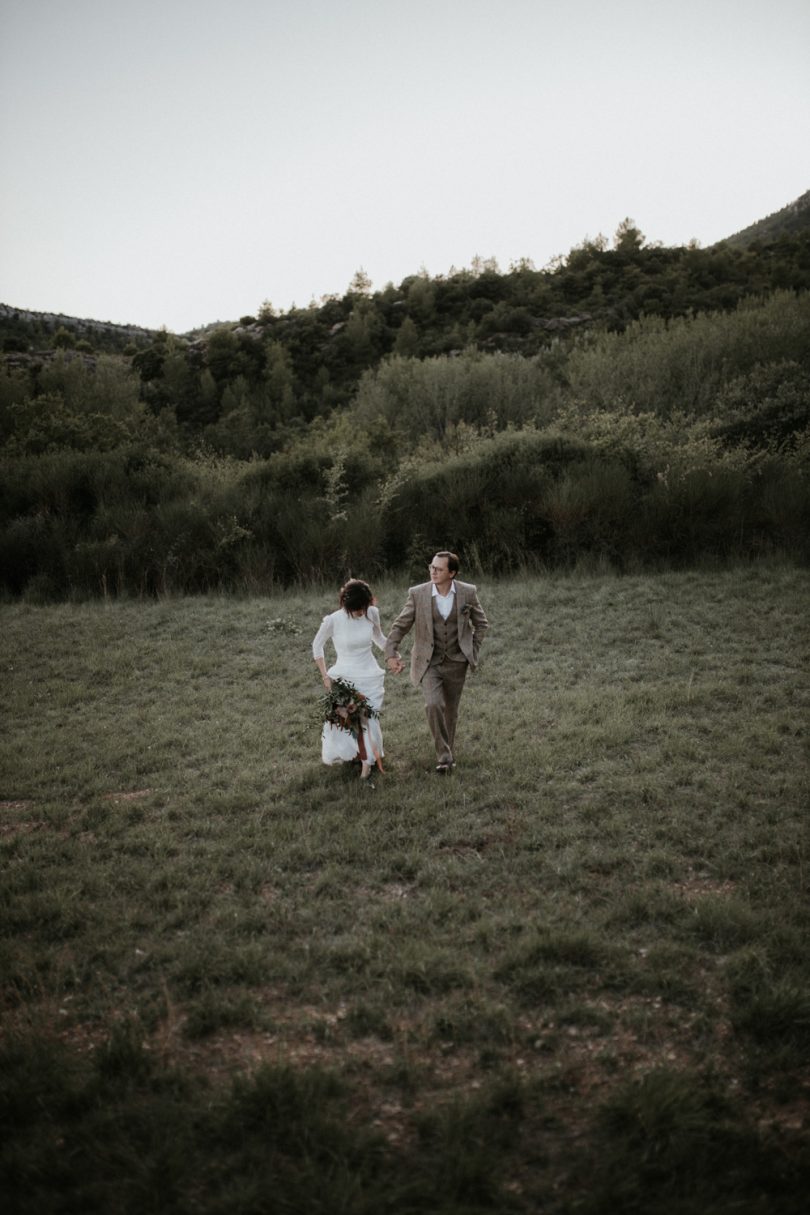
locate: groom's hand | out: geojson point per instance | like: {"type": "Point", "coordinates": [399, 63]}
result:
{"type": "Point", "coordinates": [395, 665]}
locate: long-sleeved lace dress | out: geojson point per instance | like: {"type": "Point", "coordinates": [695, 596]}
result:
{"type": "Point", "coordinates": [353, 637]}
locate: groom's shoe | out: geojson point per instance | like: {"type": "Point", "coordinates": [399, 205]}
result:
{"type": "Point", "coordinates": [444, 769]}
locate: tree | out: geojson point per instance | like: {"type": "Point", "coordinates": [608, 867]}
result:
{"type": "Point", "coordinates": [628, 238]}
{"type": "Point", "coordinates": [280, 383]}
{"type": "Point", "coordinates": [484, 265]}
{"type": "Point", "coordinates": [360, 284]}
{"type": "Point", "coordinates": [421, 298]}
{"type": "Point", "coordinates": [63, 339]}
{"type": "Point", "coordinates": [407, 340]}
{"type": "Point", "coordinates": [222, 355]}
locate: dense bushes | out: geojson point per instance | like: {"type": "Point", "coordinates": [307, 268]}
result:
{"type": "Point", "coordinates": [712, 364]}
{"type": "Point", "coordinates": [669, 443]}
{"type": "Point", "coordinates": [427, 399]}
{"type": "Point", "coordinates": [684, 364]}
{"type": "Point", "coordinates": [492, 499]}
{"type": "Point", "coordinates": [528, 498]}
{"type": "Point", "coordinates": [110, 522]}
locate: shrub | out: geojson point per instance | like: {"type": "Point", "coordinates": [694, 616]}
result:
{"type": "Point", "coordinates": [488, 500]}
{"type": "Point", "coordinates": [770, 404]}
{"type": "Point", "coordinates": [683, 364]}
{"type": "Point", "coordinates": [429, 398]}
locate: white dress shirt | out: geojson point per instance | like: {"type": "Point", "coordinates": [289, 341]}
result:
{"type": "Point", "coordinates": [444, 602]}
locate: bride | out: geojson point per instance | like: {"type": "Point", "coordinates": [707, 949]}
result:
{"type": "Point", "coordinates": [352, 629]}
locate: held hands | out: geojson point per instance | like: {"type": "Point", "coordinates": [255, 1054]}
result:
{"type": "Point", "coordinates": [395, 665]}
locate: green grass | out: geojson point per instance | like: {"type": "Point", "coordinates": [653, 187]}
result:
{"type": "Point", "coordinates": [573, 976]}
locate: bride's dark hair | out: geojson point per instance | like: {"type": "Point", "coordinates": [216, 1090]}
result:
{"type": "Point", "coordinates": [356, 596]}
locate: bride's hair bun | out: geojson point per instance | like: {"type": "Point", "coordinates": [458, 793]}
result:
{"type": "Point", "coordinates": [355, 596]}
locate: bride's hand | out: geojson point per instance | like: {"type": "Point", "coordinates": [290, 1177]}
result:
{"type": "Point", "coordinates": [327, 683]}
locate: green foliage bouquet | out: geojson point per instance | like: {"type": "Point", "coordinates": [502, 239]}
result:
{"type": "Point", "coordinates": [346, 707]}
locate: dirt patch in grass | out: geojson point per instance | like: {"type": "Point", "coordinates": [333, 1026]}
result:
{"type": "Point", "coordinates": [643, 1033]}
{"type": "Point", "coordinates": [127, 795]}
{"type": "Point", "coordinates": [698, 885]}
{"type": "Point", "coordinates": [18, 826]}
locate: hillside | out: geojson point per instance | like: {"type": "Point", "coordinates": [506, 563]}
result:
{"type": "Point", "coordinates": [632, 405]}
{"type": "Point", "coordinates": [20, 329]}
{"type": "Point", "coordinates": [518, 310]}
{"type": "Point", "coordinates": [792, 220]}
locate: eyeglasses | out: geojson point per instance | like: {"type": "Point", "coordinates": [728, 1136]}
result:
{"type": "Point", "coordinates": [439, 569]}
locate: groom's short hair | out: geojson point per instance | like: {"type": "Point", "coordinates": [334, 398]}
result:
{"type": "Point", "coordinates": [453, 562]}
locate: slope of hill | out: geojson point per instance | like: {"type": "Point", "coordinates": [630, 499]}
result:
{"type": "Point", "coordinates": [790, 221]}
{"type": "Point", "coordinates": [521, 310]}
{"type": "Point", "coordinates": [20, 328]}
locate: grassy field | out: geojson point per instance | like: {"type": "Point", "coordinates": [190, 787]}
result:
{"type": "Point", "coordinates": [571, 977]}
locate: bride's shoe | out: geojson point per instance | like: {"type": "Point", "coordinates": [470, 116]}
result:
{"type": "Point", "coordinates": [365, 773]}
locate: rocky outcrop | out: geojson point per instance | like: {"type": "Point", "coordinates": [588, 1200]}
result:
{"type": "Point", "coordinates": [34, 360]}
{"type": "Point", "coordinates": [554, 324]}
{"type": "Point", "coordinates": [57, 320]}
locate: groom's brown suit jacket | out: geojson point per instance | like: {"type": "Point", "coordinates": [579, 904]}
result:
{"type": "Point", "coordinates": [418, 613]}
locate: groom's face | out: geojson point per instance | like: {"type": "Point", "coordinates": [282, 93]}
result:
{"type": "Point", "coordinates": [440, 572]}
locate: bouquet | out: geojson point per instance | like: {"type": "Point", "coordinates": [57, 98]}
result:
{"type": "Point", "coordinates": [344, 706]}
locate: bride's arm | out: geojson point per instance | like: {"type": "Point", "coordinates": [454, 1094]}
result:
{"type": "Point", "coordinates": [377, 636]}
{"type": "Point", "coordinates": [324, 632]}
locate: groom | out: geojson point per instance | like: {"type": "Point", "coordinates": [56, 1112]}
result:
{"type": "Point", "coordinates": [450, 626]}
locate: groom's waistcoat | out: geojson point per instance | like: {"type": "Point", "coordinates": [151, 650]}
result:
{"type": "Point", "coordinates": [445, 636]}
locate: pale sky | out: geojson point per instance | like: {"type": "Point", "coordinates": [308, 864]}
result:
{"type": "Point", "coordinates": [169, 162]}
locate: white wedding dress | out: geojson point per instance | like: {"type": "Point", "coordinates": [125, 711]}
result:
{"type": "Point", "coordinates": [352, 637]}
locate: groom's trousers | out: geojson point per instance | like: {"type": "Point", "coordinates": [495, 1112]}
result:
{"type": "Point", "coordinates": [442, 685]}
